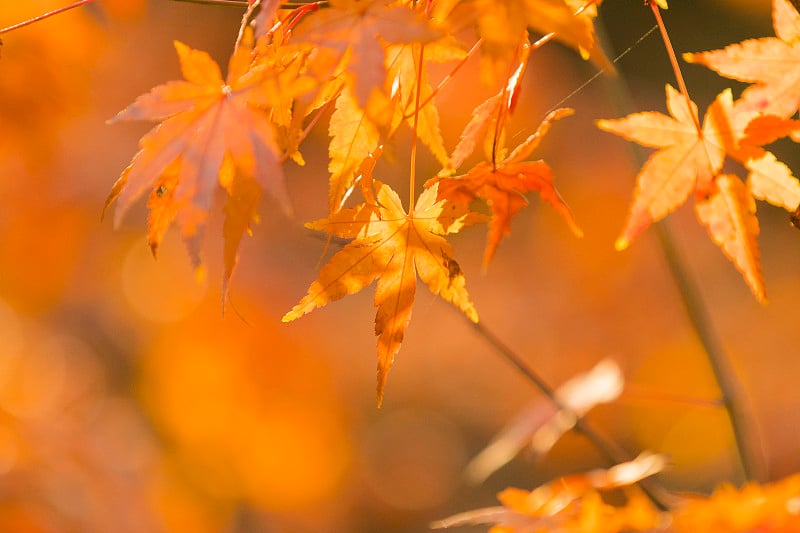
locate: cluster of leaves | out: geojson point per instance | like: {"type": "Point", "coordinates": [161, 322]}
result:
{"type": "Point", "coordinates": [367, 61]}
{"type": "Point", "coordinates": [576, 503]}
{"type": "Point", "coordinates": [364, 64]}
{"type": "Point", "coordinates": [691, 157]}
{"type": "Point", "coordinates": [609, 500]}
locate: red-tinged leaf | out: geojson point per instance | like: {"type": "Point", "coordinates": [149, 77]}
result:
{"type": "Point", "coordinates": [771, 63]}
{"type": "Point", "coordinates": [766, 129]}
{"type": "Point", "coordinates": [207, 121]}
{"type": "Point", "coordinates": [687, 159]}
{"type": "Point", "coordinates": [514, 82]}
{"type": "Point", "coordinates": [393, 247]}
{"type": "Point", "coordinates": [489, 116]}
{"type": "Point", "coordinates": [503, 187]}
{"type": "Point", "coordinates": [729, 215]}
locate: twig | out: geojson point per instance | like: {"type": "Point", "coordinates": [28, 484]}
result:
{"type": "Point", "coordinates": [612, 452]}
{"type": "Point", "coordinates": [44, 16]}
{"type": "Point", "coordinates": [734, 398]}
{"type": "Point", "coordinates": [244, 3]}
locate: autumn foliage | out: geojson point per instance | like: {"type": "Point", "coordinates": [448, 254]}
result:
{"type": "Point", "coordinates": [365, 74]}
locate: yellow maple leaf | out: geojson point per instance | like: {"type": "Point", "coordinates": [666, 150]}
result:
{"type": "Point", "coordinates": [355, 31]}
{"type": "Point", "coordinates": [503, 25]}
{"type": "Point", "coordinates": [353, 137]}
{"type": "Point", "coordinates": [408, 78]}
{"type": "Point", "coordinates": [393, 247]}
{"type": "Point", "coordinates": [729, 213]}
{"type": "Point", "coordinates": [691, 158]}
{"type": "Point", "coordinates": [572, 504]}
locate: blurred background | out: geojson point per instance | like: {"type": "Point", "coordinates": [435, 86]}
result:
{"type": "Point", "coordinates": [128, 402]}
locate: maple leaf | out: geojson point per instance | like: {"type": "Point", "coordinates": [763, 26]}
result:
{"type": "Point", "coordinates": [353, 137]}
{"type": "Point", "coordinates": [772, 63]}
{"type": "Point", "coordinates": [690, 159]}
{"type": "Point", "coordinates": [410, 85]}
{"type": "Point", "coordinates": [572, 503]}
{"type": "Point", "coordinates": [768, 508]}
{"type": "Point", "coordinates": [206, 121]}
{"type": "Point", "coordinates": [393, 247]}
{"type": "Point", "coordinates": [503, 186]}
{"type": "Point", "coordinates": [503, 25]}
{"type": "Point", "coordinates": [730, 216]}
{"type": "Point", "coordinates": [356, 30]}
{"type": "Point", "coordinates": [488, 116]}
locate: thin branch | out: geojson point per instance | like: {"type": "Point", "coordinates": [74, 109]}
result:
{"type": "Point", "coordinates": [413, 171]}
{"type": "Point", "coordinates": [229, 3]}
{"type": "Point", "coordinates": [612, 452]}
{"type": "Point", "coordinates": [244, 3]}
{"type": "Point", "coordinates": [447, 78]}
{"type": "Point", "coordinates": [734, 398]}
{"type": "Point", "coordinates": [44, 16]}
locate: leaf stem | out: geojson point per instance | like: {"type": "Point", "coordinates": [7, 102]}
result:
{"type": "Point", "coordinates": [449, 76]}
{"type": "Point", "coordinates": [44, 16]}
{"type": "Point", "coordinates": [675, 66]}
{"type": "Point", "coordinates": [613, 453]}
{"type": "Point", "coordinates": [733, 396]}
{"type": "Point", "coordinates": [412, 185]}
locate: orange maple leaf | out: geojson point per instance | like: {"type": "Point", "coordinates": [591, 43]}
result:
{"type": "Point", "coordinates": [772, 63]}
{"type": "Point", "coordinates": [503, 186]}
{"type": "Point", "coordinates": [356, 30]}
{"type": "Point", "coordinates": [206, 122]}
{"type": "Point", "coordinates": [488, 118]}
{"type": "Point", "coordinates": [573, 503]}
{"type": "Point", "coordinates": [768, 508]}
{"type": "Point", "coordinates": [393, 247]}
{"type": "Point", "coordinates": [690, 158]}
{"type": "Point", "coordinates": [503, 25]}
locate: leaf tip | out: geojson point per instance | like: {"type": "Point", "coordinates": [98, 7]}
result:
{"type": "Point", "coordinates": [622, 243]}
{"type": "Point", "coordinates": [602, 124]}
{"type": "Point", "coordinates": [380, 387]}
